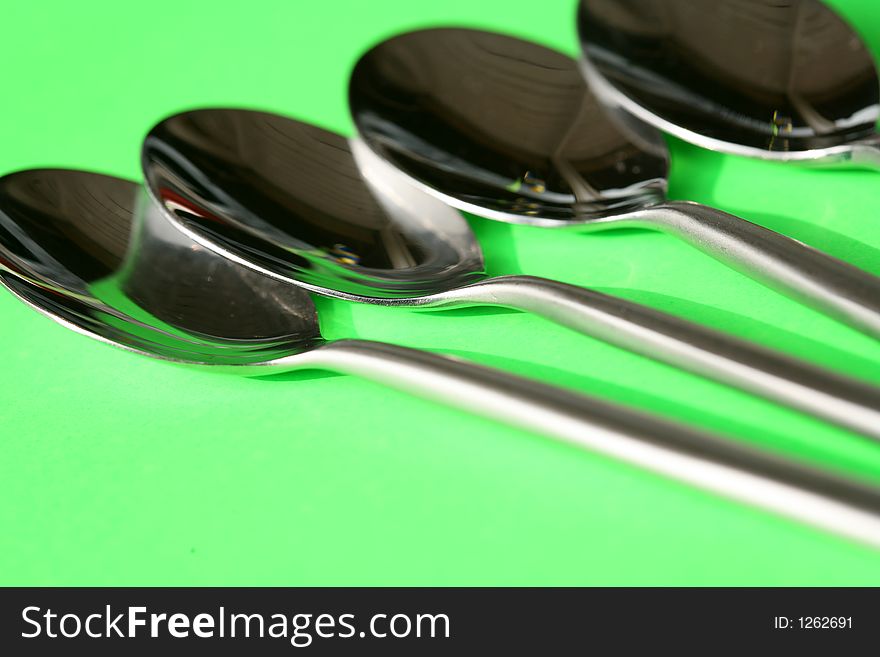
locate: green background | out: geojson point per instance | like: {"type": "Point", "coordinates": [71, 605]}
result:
{"type": "Point", "coordinates": [116, 469]}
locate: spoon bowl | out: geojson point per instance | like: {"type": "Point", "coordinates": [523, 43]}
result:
{"type": "Point", "coordinates": [225, 175]}
{"type": "Point", "coordinates": [501, 127]}
{"type": "Point", "coordinates": [73, 246]}
{"type": "Point", "coordinates": [788, 81]}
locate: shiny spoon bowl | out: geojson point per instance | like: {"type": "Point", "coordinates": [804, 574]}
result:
{"type": "Point", "coordinates": [311, 208]}
{"type": "Point", "coordinates": [786, 81]}
{"type": "Point", "coordinates": [94, 254]}
{"type": "Point", "coordinates": [509, 130]}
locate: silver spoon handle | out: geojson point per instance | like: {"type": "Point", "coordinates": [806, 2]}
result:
{"type": "Point", "coordinates": [721, 466]}
{"type": "Point", "coordinates": [678, 342]}
{"type": "Point", "coordinates": [829, 285]}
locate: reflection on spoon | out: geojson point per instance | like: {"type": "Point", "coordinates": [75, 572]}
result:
{"type": "Point", "coordinates": [776, 80]}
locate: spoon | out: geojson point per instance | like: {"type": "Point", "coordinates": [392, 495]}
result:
{"type": "Point", "coordinates": [788, 81]}
{"type": "Point", "coordinates": [508, 129]}
{"type": "Point", "coordinates": [309, 207]}
{"type": "Point", "coordinates": [92, 253]}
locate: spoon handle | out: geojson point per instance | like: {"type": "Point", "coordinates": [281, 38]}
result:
{"type": "Point", "coordinates": [722, 466]}
{"type": "Point", "coordinates": [829, 285]}
{"type": "Point", "coordinates": [833, 397]}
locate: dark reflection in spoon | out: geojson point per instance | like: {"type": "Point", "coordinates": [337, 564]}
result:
{"type": "Point", "coordinates": [71, 240]}
{"type": "Point", "coordinates": [290, 196]}
{"type": "Point", "coordinates": [760, 74]}
{"type": "Point", "coordinates": [502, 124]}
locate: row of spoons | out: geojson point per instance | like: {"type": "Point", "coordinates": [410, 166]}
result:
{"type": "Point", "coordinates": [245, 213]}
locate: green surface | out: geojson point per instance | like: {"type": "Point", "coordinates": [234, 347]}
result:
{"type": "Point", "coordinates": [117, 469]}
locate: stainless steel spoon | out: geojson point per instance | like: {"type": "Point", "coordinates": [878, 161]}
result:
{"type": "Point", "coordinates": [785, 81]}
{"type": "Point", "coordinates": [288, 199]}
{"type": "Point", "coordinates": [509, 130]}
{"type": "Point", "coordinates": [92, 253]}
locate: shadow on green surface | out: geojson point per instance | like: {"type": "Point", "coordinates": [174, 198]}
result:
{"type": "Point", "coordinates": [756, 331]}
{"type": "Point", "coordinates": [696, 172]}
{"type": "Point", "coordinates": [692, 169]}
{"type": "Point", "coordinates": [840, 246]}
{"type": "Point", "coordinates": [337, 322]}
{"type": "Point", "coordinates": [501, 259]}
{"type": "Point", "coordinates": [299, 375]}
{"type": "Point", "coordinates": [815, 448]}
{"type": "Point", "coordinates": [473, 311]}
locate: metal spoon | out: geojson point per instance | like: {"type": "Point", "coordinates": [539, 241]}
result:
{"type": "Point", "coordinates": [508, 129]}
{"type": "Point", "coordinates": [90, 252]}
{"type": "Point", "coordinates": [288, 199]}
{"type": "Point", "coordinates": [777, 80]}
